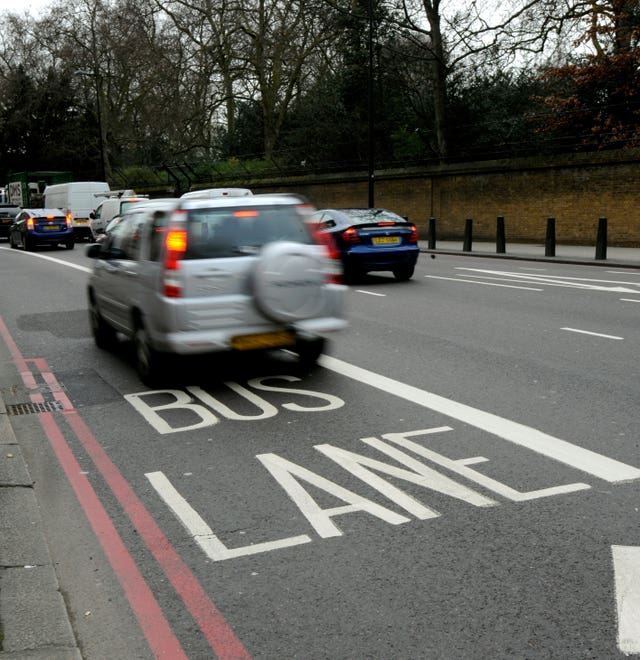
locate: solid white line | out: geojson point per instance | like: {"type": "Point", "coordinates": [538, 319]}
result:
{"type": "Point", "coordinates": [629, 300]}
{"type": "Point", "coordinates": [626, 569]}
{"type": "Point", "coordinates": [371, 293]}
{"type": "Point", "coordinates": [577, 457]}
{"type": "Point", "coordinates": [593, 334]}
{"type": "Point", "coordinates": [506, 286]}
{"type": "Point", "coordinates": [55, 261]}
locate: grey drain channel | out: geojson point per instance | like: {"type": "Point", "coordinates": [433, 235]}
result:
{"type": "Point", "coordinates": [31, 408]}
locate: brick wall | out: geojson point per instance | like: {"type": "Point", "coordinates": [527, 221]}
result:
{"type": "Point", "coordinates": [576, 190]}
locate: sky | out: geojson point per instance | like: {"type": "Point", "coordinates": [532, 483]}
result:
{"type": "Point", "coordinates": [20, 6]}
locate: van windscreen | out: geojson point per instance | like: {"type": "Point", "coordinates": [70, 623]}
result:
{"type": "Point", "coordinates": [242, 230]}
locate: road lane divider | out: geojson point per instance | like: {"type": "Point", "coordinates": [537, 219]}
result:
{"type": "Point", "coordinates": [559, 450]}
{"type": "Point", "coordinates": [626, 568]}
{"type": "Point", "coordinates": [593, 334]}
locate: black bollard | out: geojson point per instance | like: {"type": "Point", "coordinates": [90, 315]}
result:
{"type": "Point", "coordinates": [550, 241]}
{"type": "Point", "coordinates": [432, 233]}
{"type": "Point", "coordinates": [601, 240]}
{"type": "Point", "coordinates": [500, 237]}
{"type": "Point", "coordinates": [468, 235]}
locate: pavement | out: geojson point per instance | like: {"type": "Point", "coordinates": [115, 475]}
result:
{"type": "Point", "coordinates": [34, 622]}
{"type": "Point", "coordinates": [622, 257]}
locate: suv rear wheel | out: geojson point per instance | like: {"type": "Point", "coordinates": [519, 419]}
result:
{"type": "Point", "coordinates": [149, 362]}
{"type": "Point", "coordinates": [309, 350]}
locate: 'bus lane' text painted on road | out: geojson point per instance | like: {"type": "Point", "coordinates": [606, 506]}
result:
{"type": "Point", "coordinates": [406, 467]}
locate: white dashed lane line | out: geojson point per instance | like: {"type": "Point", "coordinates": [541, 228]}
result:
{"type": "Point", "coordinates": [371, 293]}
{"type": "Point", "coordinates": [593, 334]}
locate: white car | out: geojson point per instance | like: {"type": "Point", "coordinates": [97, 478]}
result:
{"type": "Point", "coordinates": [200, 275]}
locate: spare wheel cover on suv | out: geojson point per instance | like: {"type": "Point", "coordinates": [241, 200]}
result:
{"type": "Point", "coordinates": [289, 281]}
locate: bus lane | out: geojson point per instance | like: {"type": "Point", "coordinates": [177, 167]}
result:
{"type": "Point", "coordinates": [273, 472]}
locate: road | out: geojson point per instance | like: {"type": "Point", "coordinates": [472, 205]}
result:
{"type": "Point", "coordinates": [459, 478]}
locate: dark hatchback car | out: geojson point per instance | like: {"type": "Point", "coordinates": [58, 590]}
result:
{"type": "Point", "coordinates": [8, 214]}
{"type": "Point", "coordinates": [33, 227]}
{"type": "Point", "coordinates": [371, 240]}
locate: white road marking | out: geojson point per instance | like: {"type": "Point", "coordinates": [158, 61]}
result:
{"type": "Point", "coordinates": [593, 334]}
{"type": "Point", "coordinates": [61, 262]}
{"type": "Point", "coordinates": [629, 300]}
{"type": "Point", "coordinates": [626, 569]}
{"type": "Point", "coordinates": [562, 451]}
{"type": "Point", "coordinates": [506, 286]}
{"type": "Point", "coordinates": [561, 280]}
{"type": "Point", "coordinates": [201, 532]}
{"type": "Point", "coordinates": [371, 293]}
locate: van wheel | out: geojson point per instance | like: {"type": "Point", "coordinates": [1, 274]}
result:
{"type": "Point", "coordinates": [104, 335]}
{"type": "Point", "coordinates": [149, 362]}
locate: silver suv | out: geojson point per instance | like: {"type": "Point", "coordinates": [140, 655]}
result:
{"type": "Point", "coordinates": [192, 276]}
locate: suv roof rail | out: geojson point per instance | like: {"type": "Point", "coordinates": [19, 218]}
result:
{"type": "Point", "coordinates": [213, 193]}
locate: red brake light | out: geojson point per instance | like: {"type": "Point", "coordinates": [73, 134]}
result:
{"type": "Point", "coordinates": [30, 223]}
{"type": "Point", "coordinates": [175, 247]}
{"type": "Point", "coordinates": [350, 235]}
{"type": "Point", "coordinates": [414, 235]}
{"type": "Point", "coordinates": [334, 274]}
{"type": "Point", "coordinates": [389, 223]}
{"type": "Point", "coordinates": [245, 214]}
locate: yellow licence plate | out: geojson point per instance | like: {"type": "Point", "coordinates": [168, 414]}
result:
{"type": "Point", "coordinates": [263, 340]}
{"type": "Point", "coordinates": [51, 228]}
{"type": "Point", "coordinates": [386, 240]}
{"type": "Point", "coordinates": [81, 221]}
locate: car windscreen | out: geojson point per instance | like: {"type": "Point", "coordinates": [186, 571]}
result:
{"type": "Point", "coordinates": [242, 230]}
{"type": "Point", "coordinates": [368, 216]}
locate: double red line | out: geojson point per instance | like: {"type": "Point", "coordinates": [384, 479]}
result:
{"type": "Point", "coordinates": [157, 631]}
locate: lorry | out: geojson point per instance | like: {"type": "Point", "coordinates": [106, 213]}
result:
{"type": "Point", "coordinates": [25, 189]}
{"type": "Point", "coordinates": [77, 198]}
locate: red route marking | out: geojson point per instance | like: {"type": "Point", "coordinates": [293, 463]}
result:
{"type": "Point", "coordinates": [155, 627]}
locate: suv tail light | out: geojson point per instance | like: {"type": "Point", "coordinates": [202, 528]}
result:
{"type": "Point", "coordinates": [413, 238]}
{"type": "Point", "coordinates": [31, 223]}
{"type": "Point", "coordinates": [69, 219]}
{"type": "Point", "coordinates": [175, 246]}
{"type": "Point", "coordinates": [333, 274]}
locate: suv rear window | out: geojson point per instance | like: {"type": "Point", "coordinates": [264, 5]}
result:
{"type": "Point", "coordinates": [237, 231]}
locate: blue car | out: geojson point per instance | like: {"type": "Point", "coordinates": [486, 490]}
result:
{"type": "Point", "coordinates": [33, 227]}
{"type": "Point", "coordinates": [371, 240]}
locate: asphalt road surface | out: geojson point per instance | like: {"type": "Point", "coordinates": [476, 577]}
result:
{"type": "Point", "coordinates": [458, 478]}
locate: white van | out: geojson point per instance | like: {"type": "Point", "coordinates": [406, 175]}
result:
{"type": "Point", "coordinates": [110, 205]}
{"type": "Point", "coordinates": [78, 198]}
